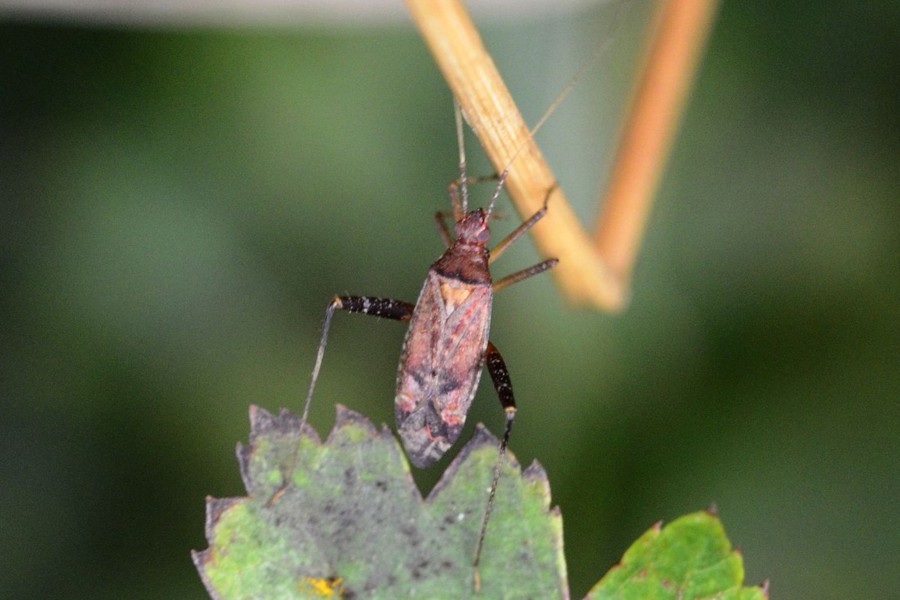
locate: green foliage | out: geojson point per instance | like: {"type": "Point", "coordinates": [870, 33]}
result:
{"type": "Point", "coordinates": [350, 522]}
{"type": "Point", "coordinates": [352, 519]}
{"type": "Point", "coordinates": [689, 558]}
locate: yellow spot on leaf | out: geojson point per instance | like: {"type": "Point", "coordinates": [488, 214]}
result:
{"type": "Point", "coordinates": [327, 587]}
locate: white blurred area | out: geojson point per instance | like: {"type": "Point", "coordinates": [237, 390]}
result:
{"type": "Point", "coordinates": [277, 13]}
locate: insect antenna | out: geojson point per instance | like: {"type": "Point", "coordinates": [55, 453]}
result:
{"type": "Point", "coordinates": [461, 200]}
{"type": "Point", "coordinates": [501, 178]}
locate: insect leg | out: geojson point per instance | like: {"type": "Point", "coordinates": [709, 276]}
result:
{"type": "Point", "coordinates": [440, 219]}
{"type": "Point", "coordinates": [516, 233]}
{"type": "Point", "coordinates": [367, 305]}
{"type": "Point", "coordinates": [454, 187]}
{"type": "Point", "coordinates": [500, 377]}
{"type": "Point", "coordinates": [524, 273]}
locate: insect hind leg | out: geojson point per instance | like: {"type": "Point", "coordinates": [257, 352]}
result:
{"type": "Point", "coordinates": [496, 366]}
{"type": "Point", "coordinates": [368, 305]}
{"type": "Point", "coordinates": [386, 308]}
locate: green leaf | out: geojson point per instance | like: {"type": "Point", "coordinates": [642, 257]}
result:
{"type": "Point", "coordinates": [690, 558]}
{"type": "Point", "coordinates": [352, 523]}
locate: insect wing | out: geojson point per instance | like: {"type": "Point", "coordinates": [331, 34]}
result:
{"type": "Point", "coordinates": [441, 364]}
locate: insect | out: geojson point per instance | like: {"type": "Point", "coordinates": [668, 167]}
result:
{"type": "Point", "coordinates": [447, 341]}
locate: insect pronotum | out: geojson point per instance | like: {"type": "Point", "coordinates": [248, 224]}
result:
{"type": "Point", "coordinates": [447, 341]}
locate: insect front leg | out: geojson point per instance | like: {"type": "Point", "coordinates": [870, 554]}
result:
{"type": "Point", "coordinates": [500, 378]}
{"type": "Point", "coordinates": [440, 219]}
{"type": "Point", "coordinates": [454, 190]}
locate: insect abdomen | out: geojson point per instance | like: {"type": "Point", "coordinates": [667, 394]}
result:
{"type": "Point", "coordinates": [441, 364]}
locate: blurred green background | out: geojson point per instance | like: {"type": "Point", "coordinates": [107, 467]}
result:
{"type": "Point", "coordinates": [178, 205]}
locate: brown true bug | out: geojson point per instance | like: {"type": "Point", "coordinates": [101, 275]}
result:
{"type": "Point", "coordinates": [447, 342]}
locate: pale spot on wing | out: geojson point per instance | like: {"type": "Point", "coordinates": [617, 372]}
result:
{"type": "Point", "coordinates": [454, 296]}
